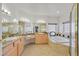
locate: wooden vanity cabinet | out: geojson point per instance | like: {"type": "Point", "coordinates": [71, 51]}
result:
{"type": "Point", "coordinates": [41, 38]}
{"type": "Point", "coordinates": [14, 48]}
{"type": "Point", "coordinates": [16, 43]}
{"type": "Point", "coordinates": [10, 50]}
{"type": "Point", "coordinates": [20, 46]}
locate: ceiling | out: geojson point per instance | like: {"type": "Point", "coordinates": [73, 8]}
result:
{"type": "Point", "coordinates": [39, 9]}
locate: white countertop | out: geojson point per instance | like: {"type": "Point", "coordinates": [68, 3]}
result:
{"type": "Point", "coordinates": [9, 40]}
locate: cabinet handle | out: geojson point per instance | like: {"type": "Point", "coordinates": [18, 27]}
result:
{"type": "Point", "coordinates": [13, 44]}
{"type": "Point", "coordinates": [20, 39]}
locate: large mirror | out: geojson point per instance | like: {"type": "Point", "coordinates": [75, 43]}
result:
{"type": "Point", "coordinates": [9, 28]}
{"type": "Point", "coordinates": [73, 43]}
{"type": "Point", "coordinates": [25, 26]}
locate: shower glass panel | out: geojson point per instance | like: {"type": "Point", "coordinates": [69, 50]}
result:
{"type": "Point", "coordinates": [73, 41]}
{"type": "Point", "coordinates": [78, 32]}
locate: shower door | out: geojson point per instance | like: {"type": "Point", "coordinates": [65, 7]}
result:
{"type": "Point", "coordinates": [73, 40]}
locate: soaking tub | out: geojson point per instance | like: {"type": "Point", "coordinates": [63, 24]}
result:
{"type": "Point", "coordinates": [60, 45]}
{"type": "Point", "coordinates": [60, 40]}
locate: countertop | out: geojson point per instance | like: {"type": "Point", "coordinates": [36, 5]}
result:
{"type": "Point", "coordinates": [41, 33]}
{"type": "Point", "coordinates": [9, 40]}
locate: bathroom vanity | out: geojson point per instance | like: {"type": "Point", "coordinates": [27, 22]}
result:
{"type": "Point", "coordinates": [41, 38]}
{"type": "Point", "coordinates": [29, 39]}
{"type": "Point", "coordinates": [14, 47]}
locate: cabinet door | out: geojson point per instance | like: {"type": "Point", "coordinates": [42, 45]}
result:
{"type": "Point", "coordinates": [38, 39]}
{"type": "Point", "coordinates": [20, 49]}
{"type": "Point", "coordinates": [16, 43]}
{"type": "Point", "coordinates": [7, 48]}
{"type": "Point", "coordinates": [12, 52]}
{"type": "Point", "coordinates": [44, 38]}
{"type": "Point", "coordinates": [20, 46]}
{"type": "Point", "coordinates": [41, 38]}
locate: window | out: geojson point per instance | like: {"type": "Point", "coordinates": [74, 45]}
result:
{"type": "Point", "coordinates": [51, 27]}
{"type": "Point", "coordinates": [66, 28]}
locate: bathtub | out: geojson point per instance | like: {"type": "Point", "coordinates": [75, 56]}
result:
{"type": "Point", "coordinates": [63, 44]}
{"type": "Point", "coordinates": [60, 40]}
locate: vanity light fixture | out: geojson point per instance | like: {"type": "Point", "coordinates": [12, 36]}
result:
{"type": "Point", "coordinates": [9, 12]}
{"type": "Point", "coordinates": [4, 21]}
{"type": "Point", "coordinates": [25, 20]}
{"type": "Point", "coordinates": [41, 21]}
{"type": "Point", "coordinates": [6, 11]}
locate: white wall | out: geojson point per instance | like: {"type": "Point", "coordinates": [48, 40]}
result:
{"type": "Point", "coordinates": [0, 31]}
{"type": "Point", "coordinates": [0, 6]}
{"type": "Point", "coordinates": [0, 37]}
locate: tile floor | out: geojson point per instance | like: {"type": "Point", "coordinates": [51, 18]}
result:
{"type": "Point", "coordinates": [41, 50]}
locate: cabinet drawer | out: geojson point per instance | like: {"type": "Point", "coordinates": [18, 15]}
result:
{"type": "Point", "coordinates": [7, 48]}
{"type": "Point", "coordinates": [12, 52]}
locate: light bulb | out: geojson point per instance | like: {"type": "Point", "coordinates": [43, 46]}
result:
{"type": "Point", "coordinates": [5, 10]}
{"type": "Point", "coordinates": [9, 12]}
